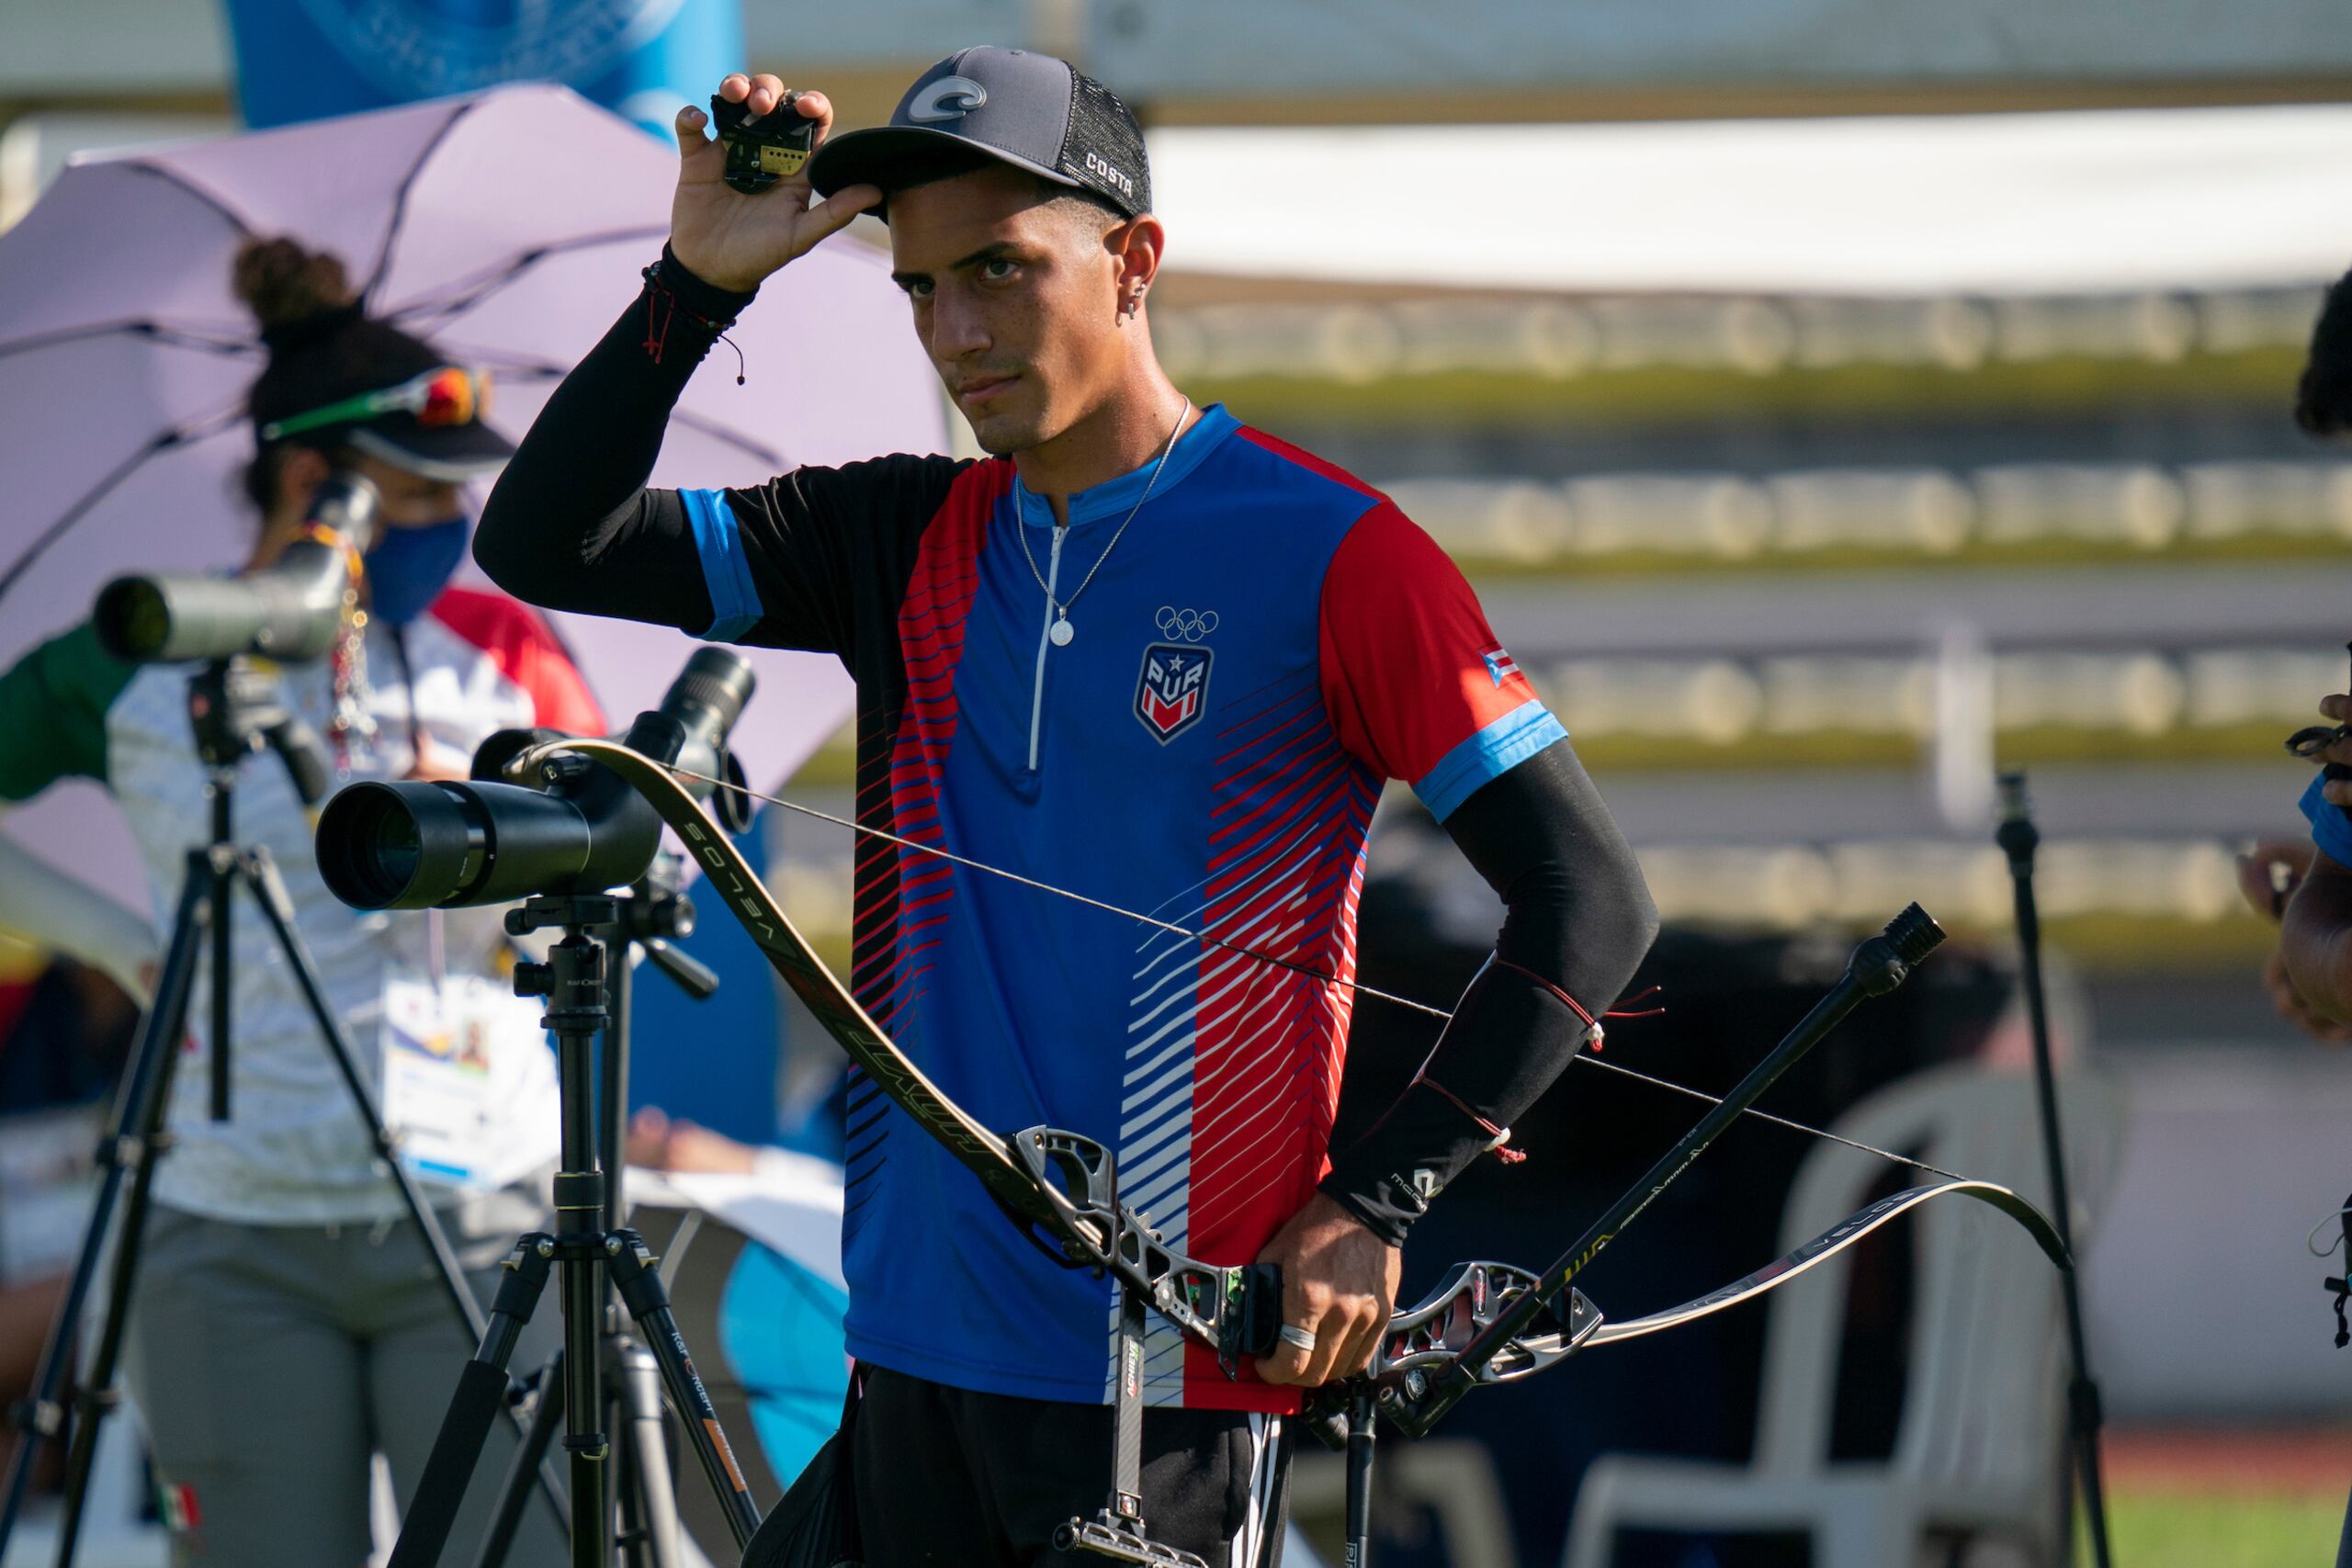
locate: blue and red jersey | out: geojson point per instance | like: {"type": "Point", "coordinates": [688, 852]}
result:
{"type": "Point", "coordinates": [1270, 641]}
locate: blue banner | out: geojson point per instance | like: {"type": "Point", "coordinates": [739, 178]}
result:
{"type": "Point", "coordinates": [713, 1060]}
{"type": "Point", "coordinates": [302, 60]}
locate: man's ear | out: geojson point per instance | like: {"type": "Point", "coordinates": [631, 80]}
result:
{"type": "Point", "coordinates": [1135, 246]}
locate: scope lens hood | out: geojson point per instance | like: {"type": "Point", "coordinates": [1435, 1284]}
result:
{"type": "Point", "coordinates": [400, 846]}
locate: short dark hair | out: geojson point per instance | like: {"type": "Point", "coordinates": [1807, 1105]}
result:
{"type": "Point", "coordinates": [2324, 397]}
{"type": "Point", "coordinates": [949, 162]}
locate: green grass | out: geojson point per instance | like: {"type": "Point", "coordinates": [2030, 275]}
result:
{"type": "Point", "coordinates": [2220, 1529]}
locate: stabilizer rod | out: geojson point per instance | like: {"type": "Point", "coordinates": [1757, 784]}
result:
{"type": "Point", "coordinates": [1415, 1401]}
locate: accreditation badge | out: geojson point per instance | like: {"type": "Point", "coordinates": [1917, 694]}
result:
{"type": "Point", "coordinates": [458, 1057]}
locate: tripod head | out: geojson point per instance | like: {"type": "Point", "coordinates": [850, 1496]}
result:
{"type": "Point", "coordinates": [655, 915]}
{"type": "Point", "coordinates": [237, 712]}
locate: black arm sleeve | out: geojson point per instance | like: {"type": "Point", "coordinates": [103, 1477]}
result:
{"type": "Point", "coordinates": [1578, 921]}
{"type": "Point", "coordinates": [569, 525]}
{"type": "Point", "coordinates": [814, 558]}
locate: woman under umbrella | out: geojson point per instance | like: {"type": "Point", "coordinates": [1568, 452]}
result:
{"type": "Point", "coordinates": [289, 1322]}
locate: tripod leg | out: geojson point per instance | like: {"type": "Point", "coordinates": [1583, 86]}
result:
{"type": "Point", "coordinates": [218, 869]}
{"type": "Point", "coordinates": [269, 891]}
{"type": "Point", "coordinates": [648, 1492]}
{"type": "Point", "coordinates": [648, 1304]}
{"type": "Point", "coordinates": [146, 1106]}
{"type": "Point", "coordinates": [480, 1395]}
{"type": "Point", "coordinates": [129, 1144]}
{"type": "Point", "coordinates": [514, 1492]}
{"type": "Point", "coordinates": [2017, 838]}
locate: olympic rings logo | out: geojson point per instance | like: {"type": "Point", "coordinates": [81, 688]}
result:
{"type": "Point", "coordinates": [1184, 624]}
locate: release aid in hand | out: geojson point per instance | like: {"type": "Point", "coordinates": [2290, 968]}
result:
{"type": "Point", "coordinates": [764, 149]}
{"type": "Point", "coordinates": [2311, 739]}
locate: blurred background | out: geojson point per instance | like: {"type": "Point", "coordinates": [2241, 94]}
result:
{"type": "Point", "coordinates": [1836, 402]}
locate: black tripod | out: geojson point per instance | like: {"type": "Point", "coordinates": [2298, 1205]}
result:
{"type": "Point", "coordinates": [2018, 838]}
{"type": "Point", "coordinates": [588, 1251]}
{"type": "Point", "coordinates": [628, 1374]}
{"type": "Point", "coordinates": [233, 718]}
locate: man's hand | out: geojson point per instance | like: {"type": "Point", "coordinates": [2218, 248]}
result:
{"type": "Point", "coordinates": [439, 760]}
{"type": "Point", "coordinates": [734, 241]}
{"type": "Point", "coordinates": [2290, 1005]}
{"type": "Point", "coordinates": [2339, 708]}
{"type": "Point", "coordinates": [2311, 977]}
{"type": "Point", "coordinates": [1339, 1283]}
{"type": "Point", "coordinates": [659, 1144]}
{"type": "Point", "coordinates": [2268, 875]}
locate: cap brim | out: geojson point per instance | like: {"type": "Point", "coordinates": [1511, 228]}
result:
{"type": "Point", "coordinates": [452, 454]}
{"type": "Point", "coordinates": [885, 154]}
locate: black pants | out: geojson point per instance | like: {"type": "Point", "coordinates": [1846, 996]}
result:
{"type": "Point", "coordinates": [947, 1476]}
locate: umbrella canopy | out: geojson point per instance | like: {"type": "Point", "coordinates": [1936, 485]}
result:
{"type": "Point", "coordinates": [507, 226]}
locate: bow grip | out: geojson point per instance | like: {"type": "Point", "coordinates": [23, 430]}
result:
{"type": "Point", "coordinates": [1258, 1309]}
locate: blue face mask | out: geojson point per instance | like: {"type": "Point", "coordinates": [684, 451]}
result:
{"type": "Point", "coordinates": [409, 567]}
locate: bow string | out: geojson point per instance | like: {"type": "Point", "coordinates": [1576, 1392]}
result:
{"type": "Point", "coordinates": [1307, 970]}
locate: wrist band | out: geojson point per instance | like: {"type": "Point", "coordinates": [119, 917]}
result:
{"type": "Point", "coordinates": [661, 307]}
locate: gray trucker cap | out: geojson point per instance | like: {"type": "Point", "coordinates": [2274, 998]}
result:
{"type": "Point", "coordinates": [1027, 109]}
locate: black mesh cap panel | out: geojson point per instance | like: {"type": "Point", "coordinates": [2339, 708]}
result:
{"type": "Point", "coordinates": [1103, 148]}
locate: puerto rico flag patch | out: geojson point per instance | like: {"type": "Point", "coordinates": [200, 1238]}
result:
{"type": "Point", "coordinates": [1172, 691]}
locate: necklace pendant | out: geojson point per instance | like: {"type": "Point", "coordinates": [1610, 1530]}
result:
{"type": "Point", "coordinates": [1060, 632]}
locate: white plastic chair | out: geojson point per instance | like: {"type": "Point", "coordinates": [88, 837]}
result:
{"type": "Point", "coordinates": [1979, 1450]}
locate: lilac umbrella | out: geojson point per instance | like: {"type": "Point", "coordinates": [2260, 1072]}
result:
{"type": "Point", "coordinates": [508, 226]}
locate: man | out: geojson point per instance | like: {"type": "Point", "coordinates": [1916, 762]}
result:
{"type": "Point", "coordinates": [2308, 887]}
{"type": "Point", "coordinates": [2310, 977]}
{"type": "Point", "coordinates": [1143, 652]}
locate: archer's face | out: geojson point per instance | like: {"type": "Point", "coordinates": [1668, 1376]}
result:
{"type": "Point", "coordinates": [1015, 301]}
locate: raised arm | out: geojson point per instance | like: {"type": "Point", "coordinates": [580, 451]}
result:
{"type": "Point", "coordinates": [570, 525]}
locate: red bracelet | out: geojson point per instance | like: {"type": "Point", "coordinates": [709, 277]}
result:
{"type": "Point", "coordinates": [661, 307]}
{"type": "Point", "coordinates": [1501, 1136]}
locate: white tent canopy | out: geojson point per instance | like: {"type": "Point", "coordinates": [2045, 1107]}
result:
{"type": "Point", "coordinates": [2077, 202]}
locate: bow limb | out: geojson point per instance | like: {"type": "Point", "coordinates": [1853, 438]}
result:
{"type": "Point", "coordinates": [1829, 1245]}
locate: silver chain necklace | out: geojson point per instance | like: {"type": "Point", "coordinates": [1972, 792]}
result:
{"type": "Point", "coordinates": [1061, 631]}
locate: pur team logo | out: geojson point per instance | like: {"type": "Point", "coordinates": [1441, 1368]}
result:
{"type": "Point", "coordinates": [1500, 664]}
{"type": "Point", "coordinates": [1173, 692]}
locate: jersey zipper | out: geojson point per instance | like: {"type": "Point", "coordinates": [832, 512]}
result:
{"type": "Point", "coordinates": [1045, 643]}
